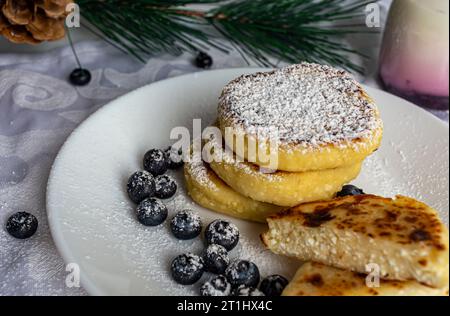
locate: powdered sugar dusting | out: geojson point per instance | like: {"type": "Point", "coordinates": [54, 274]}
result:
{"type": "Point", "coordinates": [163, 181]}
{"type": "Point", "coordinates": [248, 291]}
{"type": "Point", "coordinates": [198, 171]}
{"type": "Point", "coordinates": [187, 263]}
{"type": "Point", "coordinates": [145, 253]}
{"type": "Point", "coordinates": [309, 104]}
{"type": "Point", "coordinates": [215, 251]}
{"type": "Point", "coordinates": [140, 179]}
{"type": "Point", "coordinates": [220, 230]}
{"type": "Point", "coordinates": [151, 207]}
{"type": "Point", "coordinates": [186, 218]}
{"type": "Point", "coordinates": [230, 158]}
{"type": "Point", "coordinates": [217, 286]}
{"type": "Point", "coordinates": [156, 155]}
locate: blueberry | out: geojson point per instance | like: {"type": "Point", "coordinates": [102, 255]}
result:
{"type": "Point", "coordinates": [349, 190]}
{"type": "Point", "coordinates": [242, 272]}
{"type": "Point", "coordinates": [151, 212]}
{"type": "Point", "coordinates": [174, 158]}
{"type": "Point", "coordinates": [203, 60]}
{"type": "Point", "coordinates": [165, 187]}
{"type": "Point", "coordinates": [273, 285]}
{"type": "Point", "coordinates": [186, 225]}
{"type": "Point", "coordinates": [217, 286]}
{"type": "Point", "coordinates": [22, 225]}
{"type": "Point", "coordinates": [222, 233]}
{"type": "Point", "coordinates": [80, 77]}
{"type": "Point", "coordinates": [155, 162]}
{"type": "Point", "coordinates": [243, 290]}
{"type": "Point", "coordinates": [187, 268]}
{"type": "Point", "coordinates": [141, 185]}
{"type": "Point", "coordinates": [216, 259]}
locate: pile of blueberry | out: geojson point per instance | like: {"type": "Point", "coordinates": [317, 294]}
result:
{"type": "Point", "coordinates": [148, 187]}
{"type": "Point", "coordinates": [232, 278]}
{"type": "Point", "coordinates": [239, 277]}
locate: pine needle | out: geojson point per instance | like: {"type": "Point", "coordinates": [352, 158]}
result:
{"type": "Point", "coordinates": [286, 30]}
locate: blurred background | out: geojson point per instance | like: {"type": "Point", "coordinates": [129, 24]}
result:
{"type": "Point", "coordinates": [412, 60]}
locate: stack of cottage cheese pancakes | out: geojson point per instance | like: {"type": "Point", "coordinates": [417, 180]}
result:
{"type": "Point", "coordinates": [290, 140]}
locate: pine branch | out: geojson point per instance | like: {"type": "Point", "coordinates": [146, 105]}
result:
{"type": "Point", "coordinates": [288, 30]}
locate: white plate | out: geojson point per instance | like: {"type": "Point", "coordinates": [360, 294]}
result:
{"type": "Point", "coordinates": [93, 222]}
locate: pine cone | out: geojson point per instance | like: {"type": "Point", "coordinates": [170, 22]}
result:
{"type": "Point", "coordinates": [32, 21]}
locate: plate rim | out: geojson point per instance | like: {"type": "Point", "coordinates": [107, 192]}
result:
{"type": "Point", "coordinates": [58, 238]}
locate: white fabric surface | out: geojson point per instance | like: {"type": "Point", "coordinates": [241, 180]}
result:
{"type": "Point", "coordinates": [39, 109]}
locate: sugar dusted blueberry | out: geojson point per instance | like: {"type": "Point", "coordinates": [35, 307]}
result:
{"type": "Point", "coordinates": [141, 185]}
{"type": "Point", "coordinates": [22, 225]}
{"type": "Point", "coordinates": [217, 286]}
{"type": "Point", "coordinates": [151, 212]}
{"type": "Point", "coordinates": [216, 259]}
{"type": "Point", "coordinates": [243, 290]}
{"type": "Point", "coordinates": [155, 162]}
{"type": "Point", "coordinates": [186, 225]}
{"type": "Point", "coordinates": [221, 232]}
{"type": "Point", "coordinates": [187, 268]}
{"type": "Point", "coordinates": [174, 157]}
{"type": "Point", "coordinates": [242, 272]}
{"type": "Point", "coordinates": [165, 187]}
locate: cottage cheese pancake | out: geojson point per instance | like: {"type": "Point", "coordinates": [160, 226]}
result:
{"type": "Point", "coordinates": [280, 187]}
{"type": "Point", "coordinates": [315, 279]}
{"type": "Point", "coordinates": [403, 237]}
{"type": "Point", "coordinates": [211, 192]}
{"type": "Point", "coordinates": [323, 117]}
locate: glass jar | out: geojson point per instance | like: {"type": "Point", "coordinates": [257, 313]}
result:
{"type": "Point", "coordinates": [414, 56]}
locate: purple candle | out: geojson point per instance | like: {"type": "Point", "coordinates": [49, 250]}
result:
{"type": "Point", "coordinates": [414, 58]}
